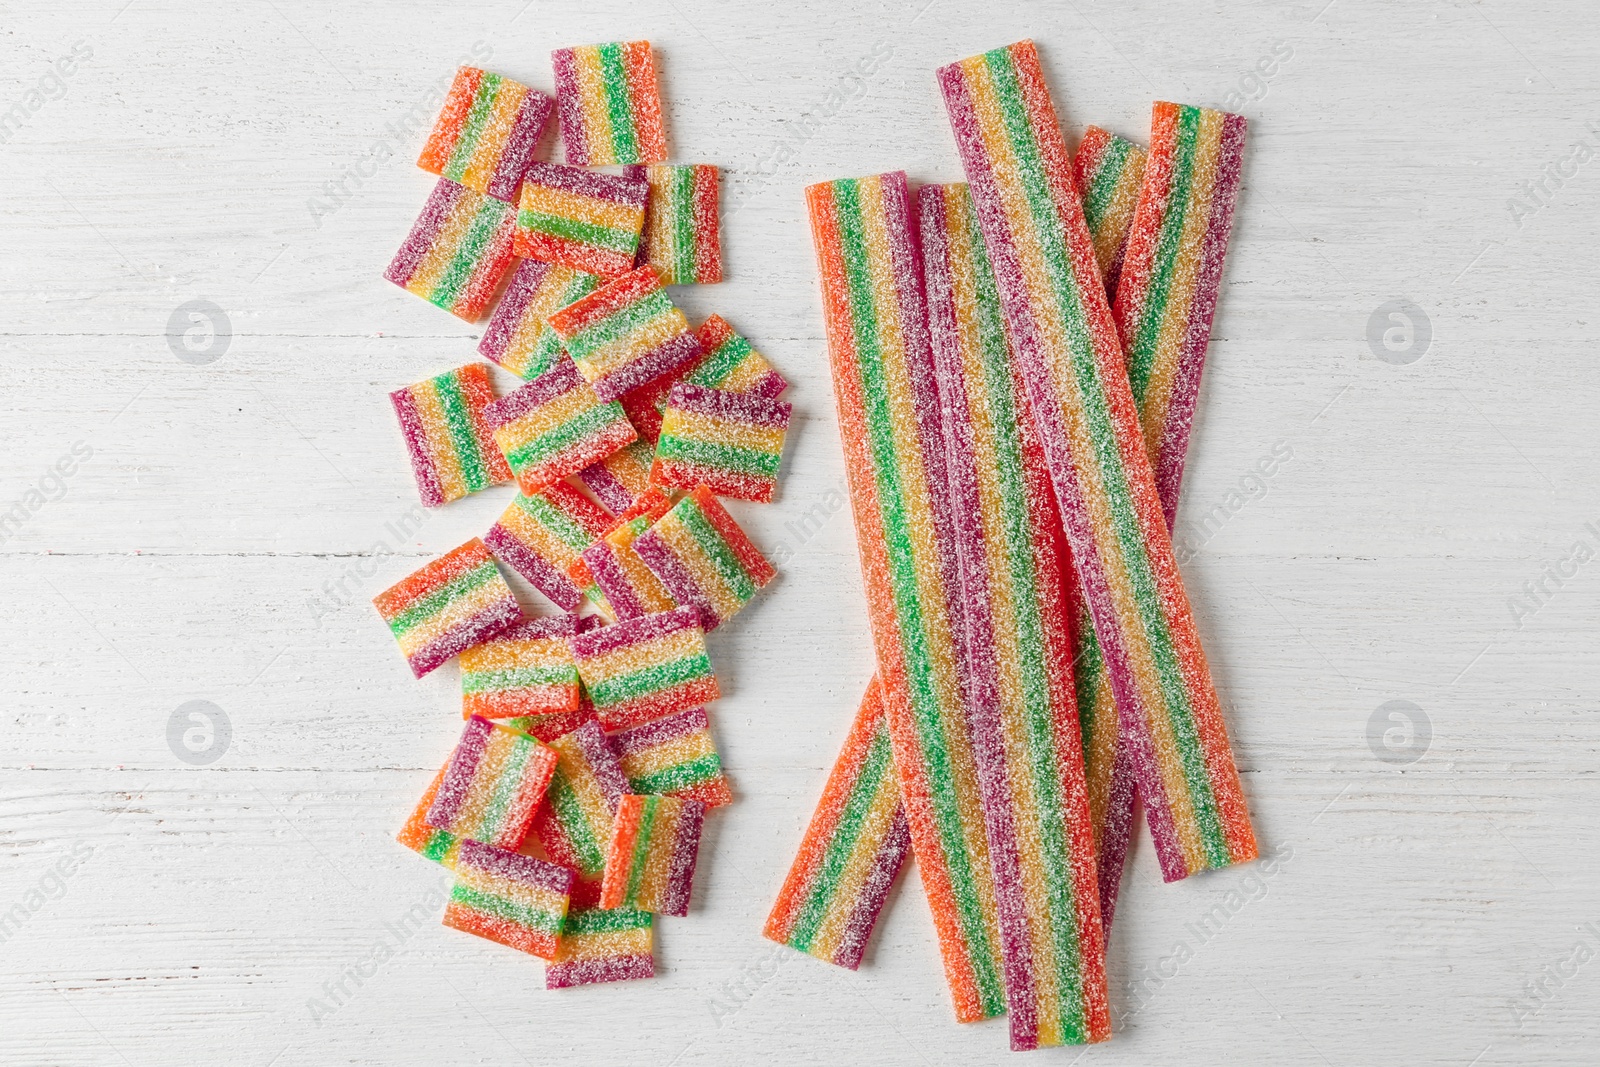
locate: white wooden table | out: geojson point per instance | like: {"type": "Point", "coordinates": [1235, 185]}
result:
{"type": "Point", "coordinates": [207, 504]}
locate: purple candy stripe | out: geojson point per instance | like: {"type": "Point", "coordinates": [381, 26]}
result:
{"type": "Point", "coordinates": [549, 626]}
{"type": "Point", "coordinates": [527, 870]}
{"type": "Point", "coordinates": [874, 892]}
{"type": "Point", "coordinates": [463, 766]}
{"type": "Point", "coordinates": [613, 580]}
{"type": "Point", "coordinates": [685, 850]}
{"type": "Point", "coordinates": [634, 631]}
{"type": "Point", "coordinates": [651, 734]}
{"type": "Point", "coordinates": [569, 100]}
{"type": "Point", "coordinates": [1116, 832]}
{"type": "Point", "coordinates": [405, 408]}
{"type": "Point", "coordinates": [616, 188]}
{"type": "Point", "coordinates": [518, 150]}
{"type": "Point", "coordinates": [491, 621]}
{"type": "Point", "coordinates": [607, 487]}
{"type": "Point", "coordinates": [770, 385]}
{"type": "Point", "coordinates": [587, 972]}
{"type": "Point", "coordinates": [663, 359]}
{"type": "Point", "coordinates": [591, 741]}
{"type": "Point", "coordinates": [545, 578]}
{"type": "Point", "coordinates": [562, 378]}
{"type": "Point", "coordinates": [441, 202]}
{"type": "Point", "coordinates": [508, 313]}
{"type": "Point", "coordinates": [665, 564]}
{"type": "Point", "coordinates": [736, 407]}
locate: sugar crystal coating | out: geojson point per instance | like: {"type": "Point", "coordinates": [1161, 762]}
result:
{"type": "Point", "coordinates": [674, 757]}
{"type": "Point", "coordinates": [518, 337]}
{"type": "Point", "coordinates": [458, 251]}
{"type": "Point", "coordinates": [574, 823]}
{"type": "Point", "coordinates": [1109, 171]}
{"type": "Point", "coordinates": [580, 219]}
{"type": "Point", "coordinates": [555, 426]}
{"type": "Point", "coordinates": [540, 534]}
{"type": "Point", "coordinates": [515, 900]}
{"type": "Point", "coordinates": [643, 669]}
{"type": "Point", "coordinates": [609, 105]}
{"type": "Point", "coordinates": [703, 558]}
{"type": "Point", "coordinates": [651, 855]}
{"type": "Point", "coordinates": [440, 846]}
{"type": "Point", "coordinates": [527, 670]}
{"type": "Point", "coordinates": [602, 945]}
{"type": "Point", "coordinates": [486, 132]}
{"type": "Point", "coordinates": [457, 601]}
{"type": "Point", "coordinates": [446, 433]}
{"type": "Point", "coordinates": [626, 334]}
{"type": "Point", "coordinates": [619, 479]}
{"type": "Point", "coordinates": [495, 782]}
{"type": "Point", "coordinates": [630, 588]}
{"type": "Point", "coordinates": [730, 442]}
{"type": "Point", "coordinates": [681, 230]}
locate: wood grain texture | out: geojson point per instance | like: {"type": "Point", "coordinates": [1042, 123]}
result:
{"type": "Point", "coordinates": [232, 518]}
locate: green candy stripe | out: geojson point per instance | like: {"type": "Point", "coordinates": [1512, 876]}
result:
{"type": "Point", "coordinates": [682, 216]}
{"type": "Point", "coordinates": [606, 921]}
{"type": "Point", "coordinates": [558, 522]}
{"type": "Point", "coordinates": [619, 324]}
{"type": "Point", "coordinates": [501, 908]}
{"type": "Point", "coordinates": [1142, 353]}
{"type": "Point", "coordinates": [506, 788]}
{"type": "Point", "coordinates": [436, 601]}
{"type": "Point", "coordinates": [458, 422]}
{"type": "Point", "coordinates": [614, 80]}
{"type": "Point", "coordinates": [516, 678]}
{"type": "Point", "coordinates": [477, 118]}
{"type": "Point", "coordinates": [647, 680]}
{"type": "Point", "coordinates": [734, 458]}
{"type": "Point", "coordinates": [716, 550]}
{"type": "Point", "coordinates": [470, 252]}
{"type": "Point", "coordinates": [679, 777]}
{"type": "Point", "coordinates": [579, 231]}
{"type": "Point", "coordinates": [574, 821]}
{"type": "Point", "coordinates": [587, 423]}
{"type": "Point", "coordinates": [714, 369]}
{"type": "Point", "coordinates": [1103, 186]}
{"type": "Point", "coordinates": [641, 847]}
{"type": "Point", "coordinates": [438, 845]}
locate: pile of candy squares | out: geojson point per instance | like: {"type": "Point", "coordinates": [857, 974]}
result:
{"type": "Point", "coordinates": [1016, 361]}
{"type": "Point", "coordinates": [571, 809]}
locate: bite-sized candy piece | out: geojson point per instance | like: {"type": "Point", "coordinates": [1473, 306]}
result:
{"type": "Point", "coordinates": [486, 132]}
{"type": "Point", "coordinates": [555, 426]}
{"type": "Point", "coordinates": [893, 434]}
{"type": "Point", "coordinates": [1066, 344]}
{"type": "Point", "coordinates": [457, 601]}
{"type": "Point", "coordinates": [732, 364]}
{"type": "Point", "coordinates": [852, 850]}
{"type": "Point", "coordinates": [447, 435]}
{"type": "Point", "coordinates": [731, 442]}
{"type": "Point", "coordinates": [704, 558]}
{"type": "Point", "coordinates": [674, 757]}
{"type": "Point", "coordinates": [619, 479]}
{"type": "Point", "coordinates": [580, 219]}
{"type": "Point", "coordinates": [518, 337]}
{"type": "Point", "coordinates": [626, 334]}
{"type": "Point", "coordinates": [575, 821]}
{"type": "Point", "coordinates": [528, 670]}
{"type": "Point", "coordinates": [650, 859]}
{"type": "Point", "coordinates": [1109, 171]}
{"type": "Point", "coordinates": [602, 945]}
{"type": "Point", "coordinates": [440, 846]}
{"type": "Point", "coordinates": [496, 779]}
{"type": "Point", "coordinates": [547, 728]}
{"type": "Point", "coordinates": [610, 106]}
{"type": "Point", "coordinates": [643, 669]}
{"type": "Point", "coordinates": [540, 534]}
{"type": "Point", "coordinates": [629, 586]}
{"type": "Point", "coordinates": [681, 230]}
{"type": "Point", "coordinates": [458, 251]}
{"type": "Point", "coordinates": [516, 900]}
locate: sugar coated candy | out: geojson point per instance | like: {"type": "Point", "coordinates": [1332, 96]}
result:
{"type": "Point", "coordinates": [602, 945]}
{"type": "Point", "coordinates": [731, 442]}
{"type": "Point", "coordinates": [681, 229]}
{"type": "Point", "coordinates": [1109, 172]}
{"type": "Point", "coordinates": [440, 846]}
{"type": "Point", "coordinates": [609, 105]}
{"type": "Point", "coordinates": [703, 558]}
{"type": "Point", "coordinates": [581, 219]}
{"type": "Point", "coordinates": [447, 435]}
{"type": "Point", "coordinates": [732, 364]}
{"type": "Point", "coordinates": [555, 426]}
{"type": "Point", "coordinates": [629, 586]}
{"type": "Point", "coordinates": [509, 898]}
{"type": "Point", "coordinates": [891, 425]}
{"type": "Point", "coordinates": [674, 757]}
{"type": "Point", "coordinates": [457, 601]}
{"type": "Point", "coordinates": [643, 669]}
{"type": "Point", "coordinates": [527, 670]}
{"type": "Point", "coordinates": [575, 822]}
{"type": "Point", "coordinates": [651, 855]}
{"type": "Point", "coordinates": [518, 337]}
{"type": "Point", "coordinates": [1065, 341]}
{"type": "Point", "coordinates": [496, 779]}
{"type": "Point", "coordinates": [626, 334]}
{"type": "Point", "coordinates": [854, 847]}
{"type": "Point", "coordinates": [547, 728]}
{"type": "Point", "coordinates": [458, 251]}
{"type": "Point", "coordinates": [619, 479]}
{"type": "Point", "coordinates": [486, 132]}
{"type": "Point", "coordinates": [540, 534]}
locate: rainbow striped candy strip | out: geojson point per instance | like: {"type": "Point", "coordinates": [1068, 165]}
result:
{"type": "Point", "coordinates": [457, 601]}
{"type": "Point", "coordinates": [643, 669]}
{"type": "Point", "coordinates": [731, 442]}
{"type": "Point", "coordinates": [602, 945]}
{"type": "Point", "coordinates": [457, 252]}
{"type": "Point", "coordinates": [497, 778]}
{"type": "Point", "coordinates": [674, 757]}
{"type": "Point", "coordinates": [651, 855]}
{"type": "Point", "coordinates": [446, 433]}
{"type": "Point", "coordinates": [630, 587]}
{"type": "Point", "coordinates": [732, 364]}
{"type": "Point", "coordinates": [609, 104]}
{"type": "Point", "coordinates": [890, 422]}
{"type": "Point", "coordinates": [703, 558]}
{"type": "Point", "coordinates": [1066, 345]}
{"type": "Point", "coordinates": [1018, 663]}
{"type": "Point", "coordinates": [619, 479]}
{"type": "Point", "coordinates": [555, 426]}
{"type": "Point", "coordinates": [852, 851]}
{"type": "Point", "coordinates": [626, 334]}
{"type": "Point", "coordinates": [515, 900]}
{"type": "Point", "coordinates": [540, 534]}
{"type": "Point", "coordinates": [485, 134]}
{"type": "Point", "coordinates": [681, 231]}
{"type": "Point", "coordinates": [1109, 172]}
{"type": "Point", "coordinates": [575, 821]}
{"type": "Point", "coordinates": [528, 670]}
{"type": "Point", "coordinates": [579, 219]}
{"type": "Point", "coordinates": [517, 337]}
{"type": "Point", "coordinates": [440, 846]}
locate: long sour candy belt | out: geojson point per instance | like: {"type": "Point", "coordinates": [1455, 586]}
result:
{"type": "Point", "coordinates": [1066, 344]}
{"type": "Point", "coordinates": [1109, 171]}
{"type": "Point", "coordinates": [852, 850]}
{"type": "Point", "coordinates": [517, 337]}
{"type": "Point", "coordinates": [447, 435]}
{"type": "Point", "coordinates": [889, 420]}
{"type": "Point", "coordinates": [457, 601]}
{"type": "Point", "coordinates": [516, 900]}
{"type": "Point", "coordinates": [609, 105]}
{"type": "Point", "coordinates": [1018, 665]}
{"type": "Point", "coordinates": [458, 250]}
{"type": "Point", "coordinates": [486, 132]}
